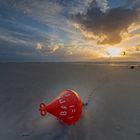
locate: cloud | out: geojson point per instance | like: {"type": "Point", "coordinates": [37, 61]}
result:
{"type": "Point", "coordinates": [136, 4]}
{"type": "Point", "coordinates": [133, 50]}
{"type": "Point", "coordinates": [39, 46]}
{"type": "Point", "coordinates": [107, 26]}
{"type": "Point", "coordinates": [15, 38]}
{"type": "Point", "coordinates": [103, 5]}
{"type": "Point", "coordinates": [49, 49]}
{"type": "Point", "coordinates": [69, 51]}
{"type": "Point", "coordinates": [45, 28]}
{"type": "Point", "coordinates": [138, 47]}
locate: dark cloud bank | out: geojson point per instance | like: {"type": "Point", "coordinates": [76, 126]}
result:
{"type": "Point", "coordinates": [109, 24]}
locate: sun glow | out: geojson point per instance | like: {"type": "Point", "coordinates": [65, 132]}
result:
{"type": "Point", "coordinates": [114, 52]}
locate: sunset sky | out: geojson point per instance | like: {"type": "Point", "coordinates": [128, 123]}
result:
{"type": "Point", "coordinates": [69, 30]}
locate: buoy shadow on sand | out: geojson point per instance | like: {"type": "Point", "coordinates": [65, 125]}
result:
{"type": "Point", "coordinates": [52, 129]}
{"type": "Point", "coordinates": [79, 131]}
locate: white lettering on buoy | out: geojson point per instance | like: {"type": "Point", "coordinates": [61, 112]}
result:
{"type": "Point", "coordinates": [64, 107]}
{"type": "Point", "coordinates": [63, 113]}
{"type": "Point", "coordinates": [61, 101]}
{"type": "Point", "coordinates": [73, 110]}
{"type": "Point", "coordinates": [68, 94]}
{"type": "Point", "coordinates": [72, 106]}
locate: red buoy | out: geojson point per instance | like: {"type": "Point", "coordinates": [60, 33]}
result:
{"type": "Point", "coordinates": [67, 107]}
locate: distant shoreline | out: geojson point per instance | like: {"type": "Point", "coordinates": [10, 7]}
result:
{"type": "Point", "coordinates": [78, 62]}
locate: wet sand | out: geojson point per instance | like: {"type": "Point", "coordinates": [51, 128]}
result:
{"type": "Point", "coordinates": [113, 112]}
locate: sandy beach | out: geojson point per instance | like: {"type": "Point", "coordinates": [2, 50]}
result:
{"type": "Point", "coordinates": [113, 112]}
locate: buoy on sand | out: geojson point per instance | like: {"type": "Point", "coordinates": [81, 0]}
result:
{"type": "Point", "coordinates": [67, 107]}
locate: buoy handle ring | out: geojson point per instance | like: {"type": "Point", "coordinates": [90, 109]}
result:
{"type": "Point", "coordinates": [43, 109]}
